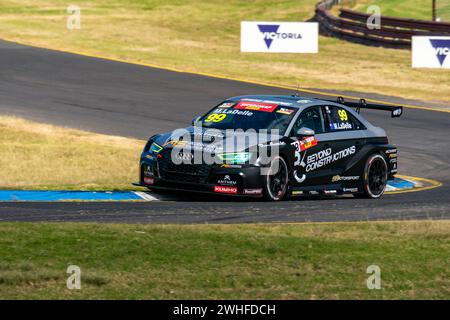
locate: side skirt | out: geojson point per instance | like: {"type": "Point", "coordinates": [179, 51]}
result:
{"type": "Point", "coordinates": [328, 189]}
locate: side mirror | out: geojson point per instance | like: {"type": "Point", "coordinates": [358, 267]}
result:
{"type": "Point", "coordinates": [304, 133]}
{"type": "Point", "coordinates": [195, 119]}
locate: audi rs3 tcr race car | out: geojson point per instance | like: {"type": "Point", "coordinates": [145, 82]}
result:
{"type": "Point", "coordinates": [274, 147]}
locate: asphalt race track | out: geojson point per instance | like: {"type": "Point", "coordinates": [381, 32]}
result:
{"type": "Point", "coordinates": [131, 100]}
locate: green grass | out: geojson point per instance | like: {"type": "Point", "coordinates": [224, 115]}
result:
{"type": "Point", "coordinates": [305, 261]}
{"type": "Point", "coordinates": [203, 36]}
{"type": "Point", "coordinates": [414, 9]}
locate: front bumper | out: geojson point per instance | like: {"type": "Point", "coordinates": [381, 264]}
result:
{"type": "Point", "coordinates": [235, 180]}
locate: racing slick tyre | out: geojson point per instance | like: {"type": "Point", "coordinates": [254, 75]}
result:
{"type": "Point", "coordinates": [277, 179]}
{"type": "Point", "coordinates": [375, 176]}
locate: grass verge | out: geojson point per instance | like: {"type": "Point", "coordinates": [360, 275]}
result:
{"type": "Point", "coordinates": [299, 261]}
{"type": "Point", "coordinates": [413, 9]}
{"type": "Point", "coordinates": [203, 36]}
{"type": "Point", "coordinates": [41, 156]}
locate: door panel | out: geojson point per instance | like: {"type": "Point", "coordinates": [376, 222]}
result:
{"type": "Point", "coordinates": [345, 136]}
{"type": "Point", "coordinates": [311, 118]}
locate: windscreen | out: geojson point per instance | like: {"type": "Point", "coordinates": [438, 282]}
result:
{"type": "Point", "coordinates": [247, 115]}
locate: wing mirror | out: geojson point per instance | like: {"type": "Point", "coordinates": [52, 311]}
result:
{"type": "Point", "coordinates": [195, 119]}
{"type": "Point", "coordinates": [304, 133]}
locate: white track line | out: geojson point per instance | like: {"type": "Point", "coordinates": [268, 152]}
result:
{"type": "Point", "coordinates": [146, 196]}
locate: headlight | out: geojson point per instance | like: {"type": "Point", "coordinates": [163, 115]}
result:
{"type": "Point", "coordinates": [155, 148]}
{"type": "Point", "coordinates": [235, 157]}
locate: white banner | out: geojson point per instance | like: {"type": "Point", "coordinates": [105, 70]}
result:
{"type": "Point", "coordinates": [287, 37]}
{"type": "Point", "coordinates": [430, 52]}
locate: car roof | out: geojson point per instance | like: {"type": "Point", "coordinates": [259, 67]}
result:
{"type": "Point", "coordinates": [291, 101]}
{"type": "Point", "coordinates": [305, 102]}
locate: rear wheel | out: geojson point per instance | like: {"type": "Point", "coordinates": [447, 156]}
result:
{"type": "Point", "coordinates": [375, 176]}
{"type": "Point", "coordinates": [276, 180]}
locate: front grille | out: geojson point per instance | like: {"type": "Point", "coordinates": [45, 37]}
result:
{"type": "Point", "coordinates": [187, 173]}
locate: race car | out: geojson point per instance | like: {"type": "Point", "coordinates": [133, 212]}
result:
{"type": "Point", "coordinates": [274, 147]}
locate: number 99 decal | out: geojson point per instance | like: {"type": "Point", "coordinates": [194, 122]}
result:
{"type": "Point", "coordinates": [343, 115]}
{"type": "Point", "coordinates": [215, 117]}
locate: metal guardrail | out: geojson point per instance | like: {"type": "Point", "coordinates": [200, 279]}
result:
{"type": "Point", "coordinates": [394, 32]}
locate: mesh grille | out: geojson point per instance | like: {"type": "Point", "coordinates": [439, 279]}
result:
{"type": "Point", "coordinates": [190, 173]}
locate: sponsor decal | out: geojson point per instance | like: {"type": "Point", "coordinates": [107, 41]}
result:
{"type": "Point", "coordinates": [175, 143]}
{"type": "Point", "coordinates": [147, 156]}
{"type": "Point", "coordinates": [397, 112]}
{"type": "Point", "coordinates": [148, 171]}
{"type": "Point", "coordinates": [352, 190]}
{"type": "Point", "coordinates": [199, 146]}
{"type": "Point", "coordinates": [297, 193]}
{"type": "Point", "coordinates": [391, 151]}
{"type": "Point", "coordinates": [300, 146]}
{"type": "Point", "coordinates": [227, 181]}
{"type": "Point", "coordinates": [329, 191]}
{"type": "Point", "coordinates": [276, 144]}
{"type": "Point", "coordinates": [233, 166]}
{"type": "Point", "coordinates": [344, 178]}
{"type": "Point", "coordinates": [299, 161]}
{"type": "Point", "coordinates": [256, 106]}
{"type": "Point", "coordinates": [280, 103]}
{"type": "Point", "coordinates": [441, 48]}
{"type": "Point", "coordinates": [299, 179]}
{"type": "Point", "coordinates": [253, 191]}
{"type": "Point", "coordinates": [308, 143]}
{"type": "Point", "coordinates": [270, 33]}
{"type": "Point", "coordinates": [394, 167]}
{"type": "Point", "coordinates": [207, 136]}
{"type": "Point", "coordinates": [293, 37]}
{"type": "Point", "coordinates": [149, 180]}
{"type": "Point", "coordinates": [430, 52]}
{"type": "Point", "coordinates": [226, 105]}
{"type": "Point", "coordinates": [303, 101]}
{"type": "Point", "coordinates": [224, 189]}
{"type": "Point", "coordinates": [326, 157]}
{"type": "Point", "coordinates": [285, 111]}
{"type": "Point", "coordinates": [313, 193]}
{"type": "Point", "coordinates": [304, 144]}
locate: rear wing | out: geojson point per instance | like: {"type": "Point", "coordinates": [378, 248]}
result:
{"type": "Point", "coordinates": [396, 111]}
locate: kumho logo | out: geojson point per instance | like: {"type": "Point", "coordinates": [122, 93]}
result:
{"type": "Point", "coordinates": [441, 49]}
{"type": "Point", "coordinates": [270, 33]}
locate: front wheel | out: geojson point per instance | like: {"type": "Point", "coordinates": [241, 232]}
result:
{"type": "Point", "coordinates": [375, 176]}
{"type": "Point", "coordinates": [276, 180]}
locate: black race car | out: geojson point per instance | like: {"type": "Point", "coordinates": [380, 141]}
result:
{"type": "Point", "coordinates": [274, 146]}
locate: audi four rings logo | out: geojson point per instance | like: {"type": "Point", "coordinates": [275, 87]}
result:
{"type": "Point", "coordinates": [185, 156]}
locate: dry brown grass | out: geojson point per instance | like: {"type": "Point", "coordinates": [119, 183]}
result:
{"type": "Point", "coordinates": [41, 156]}
{"type": "Point", "coordinates": [191, 35]}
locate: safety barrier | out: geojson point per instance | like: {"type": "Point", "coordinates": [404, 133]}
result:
{"type": "Point", "coordinates": [393, 32]}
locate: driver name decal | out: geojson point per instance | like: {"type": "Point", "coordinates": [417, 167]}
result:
{"type": "Point", "coordinates": [235, 112]}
